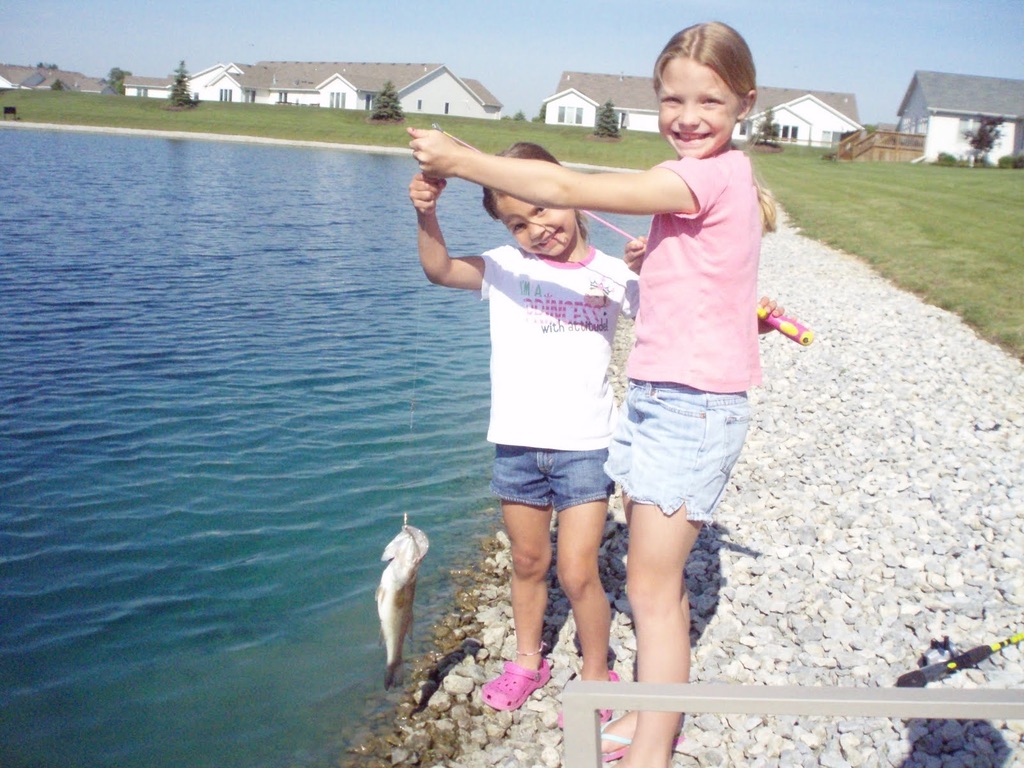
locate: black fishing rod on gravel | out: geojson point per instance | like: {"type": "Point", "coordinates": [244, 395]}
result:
{"type": "Point", "coordinates": [929, 673]}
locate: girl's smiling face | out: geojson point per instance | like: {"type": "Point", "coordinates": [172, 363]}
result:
{"type": "Point", "coordinates": [548, 232]}
{"type": "Point", "coordinates": [697, 111]}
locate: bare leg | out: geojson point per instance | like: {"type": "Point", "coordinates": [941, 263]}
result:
{"type": "Point", "coordinates": [528, 529]}
{"type": "Point", "coordinates": [659, 546]}
{"type": "Point", "coordinates": [580, 529]}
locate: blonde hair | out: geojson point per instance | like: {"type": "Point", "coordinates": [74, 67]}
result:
{"type": "Point", "coordinates": [721, 48]}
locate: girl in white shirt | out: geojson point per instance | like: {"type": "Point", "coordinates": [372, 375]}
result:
{"type": "Point", "coordinates": [554, 304]}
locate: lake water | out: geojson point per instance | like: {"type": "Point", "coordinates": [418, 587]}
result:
{"type": "Point", "coordinates": [223, 381]}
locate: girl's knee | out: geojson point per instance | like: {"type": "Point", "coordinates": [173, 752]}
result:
{"type": "Point", "coordinates": [653, 597]}
{"type": "Point", "coordinates": [530, 563]}
{"type": "Point", "coordinates": [577, 579]}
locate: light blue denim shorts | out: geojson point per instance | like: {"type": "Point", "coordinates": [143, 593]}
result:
{"type": "Point", "coordinates": [543, 478]}
{"type": "Point", "coordinates": [675, 446]}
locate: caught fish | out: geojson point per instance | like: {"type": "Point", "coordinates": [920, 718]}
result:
{"type": "Point", "coordinates": [396, 592]}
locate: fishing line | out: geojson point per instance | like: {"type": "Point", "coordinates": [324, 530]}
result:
{"type": "Point", "coordinates": [415, 361]}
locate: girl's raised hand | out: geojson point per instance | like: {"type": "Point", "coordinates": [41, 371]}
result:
{"type": "Point", "coordinates": [435, 152]}
{"type": "Point", "coordinates": [424, 192]}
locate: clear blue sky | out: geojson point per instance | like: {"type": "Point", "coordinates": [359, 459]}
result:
{"type": "Point", "coordinates": [870, 48]}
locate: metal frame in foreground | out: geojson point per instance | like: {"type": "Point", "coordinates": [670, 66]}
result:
{"type": "Point", "coordinates": [581, 700]}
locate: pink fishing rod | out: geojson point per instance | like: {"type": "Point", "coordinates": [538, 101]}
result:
{"type": "Point", "coordinates": [788, 327]}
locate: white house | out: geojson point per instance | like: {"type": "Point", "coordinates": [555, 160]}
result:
{"type": "Point", "coordinates": [944, 107]}
{"type": "Point", "coordinates": [810, 118]}
{"type": "Point", "coordinates": [579, 96]}
{"type": "Point", "coordinates": [151, 87]}
{"type": "Point", "coordinates": [815, 118]}
{"type": "Point", "coordinates": [422, 88]}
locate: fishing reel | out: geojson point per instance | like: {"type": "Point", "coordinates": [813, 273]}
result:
{"type": "Point", "coordinates": [939, 651]}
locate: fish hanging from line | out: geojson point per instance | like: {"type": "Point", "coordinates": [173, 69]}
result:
{"type": "Point", "coordinates": [395, 595]}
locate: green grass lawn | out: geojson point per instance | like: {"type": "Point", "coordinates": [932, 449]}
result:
{"type": "Point", "coordinates": [954, 236]}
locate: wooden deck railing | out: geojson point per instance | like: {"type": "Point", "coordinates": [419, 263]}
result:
{"type": "Point", "coordinates": [886, 146]}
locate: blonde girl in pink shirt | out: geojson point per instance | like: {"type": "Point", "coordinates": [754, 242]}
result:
{"type": "Point", "coordinates": [696, 353]}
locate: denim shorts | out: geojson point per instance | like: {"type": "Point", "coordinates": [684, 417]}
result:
{"type": "Point", "coordinates": [543, 478]}
{"type": "Point", "coordinates": [675, 446]}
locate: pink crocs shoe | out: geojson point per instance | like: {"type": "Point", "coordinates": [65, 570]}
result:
{"type": "Point", "coordinates": [513, 686]}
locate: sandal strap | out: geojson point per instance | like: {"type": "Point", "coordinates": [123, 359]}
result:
{"type": "Point", "coordinates": [512, 668]}
{"type": "Point", "coordinates": [617, 739]}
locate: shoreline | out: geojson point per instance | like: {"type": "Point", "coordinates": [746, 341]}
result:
{"type": "Point", "coordinates": [199, 136]}
{"type": "Point", "coordinates": [244, 139]}
{"type": "Point", "coordinates": [877, 506]}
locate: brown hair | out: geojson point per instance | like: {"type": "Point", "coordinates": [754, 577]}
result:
{"type": "Point", "coordinates": [721, 48]}
{"type": "Point", "coordinates": [525, 150]}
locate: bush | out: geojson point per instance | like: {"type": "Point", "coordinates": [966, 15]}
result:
{"type": "Point", "coordinates": [1011, 161]}
{"type": "Point", "coordinates": [947, 159]}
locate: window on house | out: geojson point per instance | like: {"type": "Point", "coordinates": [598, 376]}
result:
{"type": "Point", "coordinates": [446, 107]}
{"type": "Point", "coordinates": [419, 105]}
{"type": "Point", "coordinates": [744, 127]}
{"type": "Point", "coordinates": [969, 125]}
{"type": "Point", "coordinates": [249, 96]}
{"type": "Point", "coordinates": [282, 97]}
{"type": "Point", "coordinates": [143, 91]}
{"type": "Point", "coordinates": [369, 102]}
{"type": "Point", "coordinates": [225, 94]}
{"type": "Point", "coordinates": [337, 101]}
{"type": "Point", "coordinates": [570, 115]}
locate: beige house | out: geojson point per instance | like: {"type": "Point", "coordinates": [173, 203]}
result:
{"type": "Point", "coordinates": [422, 88]}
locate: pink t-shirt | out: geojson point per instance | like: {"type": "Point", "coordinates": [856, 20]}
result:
{"type": "Point", "coordinates": [697, 323]}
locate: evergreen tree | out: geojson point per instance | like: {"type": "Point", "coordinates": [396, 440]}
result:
{"type": "Point", "coordinates": [607, 121]}
{"type": "Point", "coordinates": [542, 114]}
{"type": "Point", "coordinates": [180, 96]}
{"type": "Point", "coordinates": [387, 105]}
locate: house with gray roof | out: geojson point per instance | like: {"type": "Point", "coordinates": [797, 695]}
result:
{"type": "Point", "coordinates": [944, 107]}
{"type": "Point", "coordinates": [14, 77]}
{"type": "Point", "coordinates": [811, 118]}
{"type": "Point", "coordinates": [815, 118]}
{"type": "Point", "coordinates": [431, 89]}
{"type": "Point", "coordinates": [579, 95]}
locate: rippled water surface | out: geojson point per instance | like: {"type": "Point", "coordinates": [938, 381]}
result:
{"type": "Point", "coordinates": [224, 379]}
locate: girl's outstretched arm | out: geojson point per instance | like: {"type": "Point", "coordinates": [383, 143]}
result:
{"type": "Point", "coordinates": [654, 191]}
{"type": "Point", "coordinates": [438, 266]}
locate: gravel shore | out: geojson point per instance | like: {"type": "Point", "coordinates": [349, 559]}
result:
{"type": "Point", "coordinates": [878, 505]}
